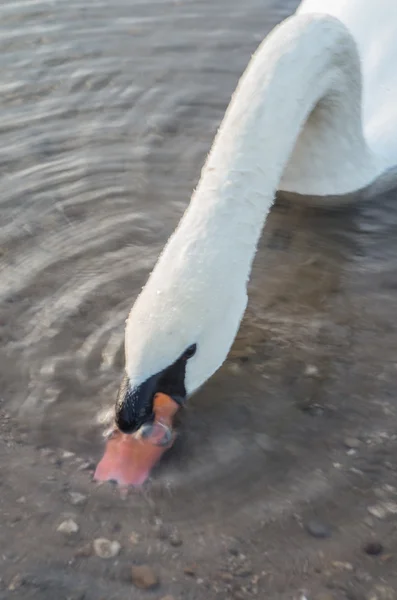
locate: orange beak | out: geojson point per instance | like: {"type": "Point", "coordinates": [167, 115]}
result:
{"type": "Point", "coordinates": [128, 458]}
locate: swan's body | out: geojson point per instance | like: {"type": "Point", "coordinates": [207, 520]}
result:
{"type": "Point", "coordinates": [373, 26]}
{"type": "Point", "coordinates": [294, 123]}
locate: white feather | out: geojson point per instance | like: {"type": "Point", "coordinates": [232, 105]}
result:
{"type": "Point", "coordinates": [294, 123]}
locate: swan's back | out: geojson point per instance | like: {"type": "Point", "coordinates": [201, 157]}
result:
{"type": "Point", "coordinates": [374, 28]}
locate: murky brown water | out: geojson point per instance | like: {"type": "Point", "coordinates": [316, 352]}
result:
{"type": "Point", "coordinates": [107, 112]}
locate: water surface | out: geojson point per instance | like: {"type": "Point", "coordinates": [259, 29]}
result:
{"type": "Point", "coordinates": [107, 112]}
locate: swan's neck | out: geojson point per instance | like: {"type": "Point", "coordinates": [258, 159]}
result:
{"type": "Point", "coordinates": [295, 118]}
{"type": "Point", "coordinates": [294, 123]}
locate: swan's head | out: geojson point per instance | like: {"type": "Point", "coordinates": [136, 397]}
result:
{"type": "Point", "coordinates": [134, 407]}
{"type": "Point", "coordinates": [178, 334]}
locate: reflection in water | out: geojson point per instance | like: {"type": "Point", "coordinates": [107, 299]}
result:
{"type": "Point", "coordinates": [104, 134]}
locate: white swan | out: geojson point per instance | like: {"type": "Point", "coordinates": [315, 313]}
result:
{"type": "Point", "coordinates": [305, 118]}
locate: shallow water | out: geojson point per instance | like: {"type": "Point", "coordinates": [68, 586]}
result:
{"type": "Point", "coordinates": [107, 112]}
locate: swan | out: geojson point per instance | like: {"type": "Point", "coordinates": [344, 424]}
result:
{"type": "Point", "coordinates": [313, 114]}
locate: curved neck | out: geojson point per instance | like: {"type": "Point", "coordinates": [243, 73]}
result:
{"type": "Point", "coordinates": [294, 121]}
{"type": "Point", "coordinates": [294, 118]}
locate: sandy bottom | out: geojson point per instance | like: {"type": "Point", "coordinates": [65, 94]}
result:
{"type": "Point", "coordinates": [283, 479]}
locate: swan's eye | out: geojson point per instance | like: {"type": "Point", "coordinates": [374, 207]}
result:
{"type": "Point", "coordinates": [191, 351]}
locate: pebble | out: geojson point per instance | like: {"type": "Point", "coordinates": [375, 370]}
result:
{"type": "Point", "coordinates": [175, 539]}
{"type": "Point", "coordinates": [105, 548]}
{"type": "Point", "coordinates": [144, 577]}
{"type": "Point", "coordinates": [343, 566]}
{"type": "Point", "coordinates": [16, 582]}
{"type": "Point", "coordinates": [77, 499]}
{"type": "Point", "coordinates": [190, 570]}
{"type": "Point", "coordinates": [311, 371]}
{"type": "Point", "coordinates": [352, 443]}
{"type": "Point", "coordinates": [67, 454]}
{"type": "Point", "coordinates": [318, 529]}
{"type": "Point", "coordinates": [373, 548]}
{"type": "Point", "coordinates": [68, 527]}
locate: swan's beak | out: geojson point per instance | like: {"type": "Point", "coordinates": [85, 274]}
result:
{"type": "Point", "coordinates": [129, 458]}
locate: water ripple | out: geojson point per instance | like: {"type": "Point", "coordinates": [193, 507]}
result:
{"type": "Point", "coordinates": [107, 112]}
